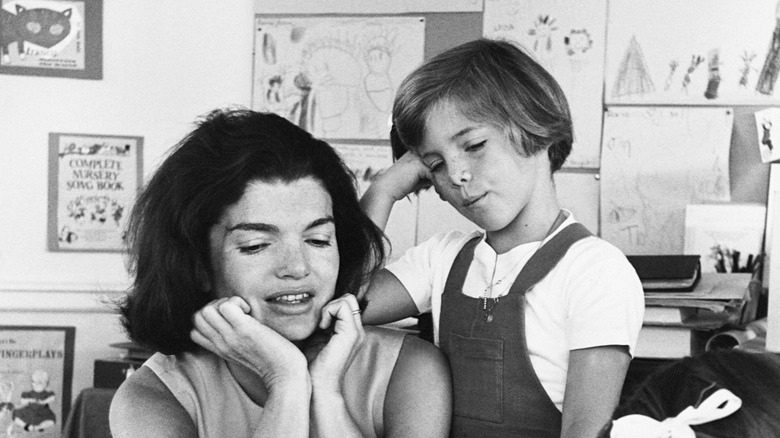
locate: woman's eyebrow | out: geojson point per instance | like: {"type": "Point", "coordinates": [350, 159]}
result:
{"type": "Point", "coordinates": [321, 221]}
{"type": "Point", "coordinates": [254, 226]}
{"type": "Point", "coordinates": [268, 228]}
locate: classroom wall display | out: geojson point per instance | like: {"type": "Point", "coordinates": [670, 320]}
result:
{"type": "Point", "coordinates": [334, 76]}
{"type": "Point", "coordinates": [655, 161]}
{"type": "Point", "coordinates": [51, 38]}
{"type": "Point", "coordinates": [568, 39]}
{"type": "Point", "coordinates": [93, 182]}
{"type": "Point", "coordinates": [365, 6]}
{"type": "Point", "coordinates": [36, 373]}
{"type": "Point", "coordinates": [693, 52]}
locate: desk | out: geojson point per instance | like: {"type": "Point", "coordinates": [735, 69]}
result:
{"type": "Point", "coordinates": [88, 417]}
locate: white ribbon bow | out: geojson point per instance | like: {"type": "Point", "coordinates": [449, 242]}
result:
{"type": "Point", "coordinates": [720, 404]}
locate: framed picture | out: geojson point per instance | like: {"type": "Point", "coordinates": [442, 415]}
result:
{"type": "Point", "coordinates": [36, 374]}
{"type": "Point", "coordinates": [62, 38]}
{"type": "Point", "coordinates": [93, 180]}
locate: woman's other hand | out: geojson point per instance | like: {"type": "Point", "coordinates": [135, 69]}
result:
{"type": "Point", "coordinates": [328, 368]}
{"type": "Point", "coordinates": [225, 328]}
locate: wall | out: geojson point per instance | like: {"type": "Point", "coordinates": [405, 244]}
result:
{"type": "Point", "coordinates": [165, 63]}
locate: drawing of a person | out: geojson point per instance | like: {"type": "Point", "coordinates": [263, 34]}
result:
{"type": "Point", "coordinates": [6, 407]}
{"type": "Point", "coordinates": [300, 112]}
{"type": "Point", "coordinates": [273, 96]}
{"type": "Point", "coordinates": [766, 138]}
{"type": "Point", "coordinates": [377, 82]}
{"type": "Point", "coordinates": [35, 413]}
{"type": "Point", "coordinates": [542, 32]}
{"type": "Point", "coordinates": [335, 77]}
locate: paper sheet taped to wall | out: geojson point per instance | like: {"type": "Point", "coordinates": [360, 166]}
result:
{"type": "Point", "coordinates": [568, 39]}
{"type": "Point", "coordinates": [656, 161]}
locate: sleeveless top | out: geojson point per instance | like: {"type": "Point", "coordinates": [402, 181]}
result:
{"type": "Point", "coordinates": [204, 386]}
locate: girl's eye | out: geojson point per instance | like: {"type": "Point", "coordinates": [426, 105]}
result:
{"type": "Point", "coordinates": [251, 249]}
{"type": "Point", "coordinates": [436, 165]}
{"type": "Point", "coordinates": [476, 147]}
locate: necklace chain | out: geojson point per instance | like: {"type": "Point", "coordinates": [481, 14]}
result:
{"type": "Point", "coordinates": [488, 302]}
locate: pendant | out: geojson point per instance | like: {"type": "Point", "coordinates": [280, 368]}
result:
{"type": "Point", "coordinates": [488, 308]}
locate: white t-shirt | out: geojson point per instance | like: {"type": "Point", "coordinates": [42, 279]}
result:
{"type": "Point", "coordinates": [592, 298]}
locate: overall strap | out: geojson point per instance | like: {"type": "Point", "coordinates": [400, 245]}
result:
{"type": "Point", "coordinates": [548, 257]}
{"type": "Point", "coordinates": [460, 266]}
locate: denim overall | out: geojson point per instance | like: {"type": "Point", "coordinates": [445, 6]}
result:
{"type": "Point", "coordinates": [496, 391]}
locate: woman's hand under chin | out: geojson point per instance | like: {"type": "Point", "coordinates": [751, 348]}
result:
{"type": "Point", "coordinates": [225, 328]}
{"type": "Point", "coordinates": [327, 370]}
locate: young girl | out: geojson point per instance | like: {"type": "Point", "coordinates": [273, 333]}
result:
{"type": "Point", "coordinates": [537, 316]}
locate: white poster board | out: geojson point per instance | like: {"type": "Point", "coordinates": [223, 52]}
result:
{"type": "Point", "coordinates": [568, 39]}
{"type": "Point", "coordinates": [693, 52]}
{"type": "Point", "coordinates": [334, 76]}
{"type": "Point", "coordinates": [772, 263]}
{"type": "Point", "coordinates": [655, 161]}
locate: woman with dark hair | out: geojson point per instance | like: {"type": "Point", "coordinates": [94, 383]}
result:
{"type": "Point", "coordinates": [242, 236]}
{"type": "Point", "coordinates": [717, 394]}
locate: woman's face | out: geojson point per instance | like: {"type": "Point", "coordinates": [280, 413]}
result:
{"type": "Point", "coordinates": [276, 248]}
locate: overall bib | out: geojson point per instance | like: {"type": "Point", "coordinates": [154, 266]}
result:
{"type": "Point", "coordinates": [496, 391]}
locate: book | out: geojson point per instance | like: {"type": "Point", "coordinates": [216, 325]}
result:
{"type": "Point", "coordinates": [667, 272]}
{"type": "Point", "coordinates": [662, 315]}
{"type": "Point", "coordinates": [670, 342]}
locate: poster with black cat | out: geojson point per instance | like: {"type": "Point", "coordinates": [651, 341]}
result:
{"type": "Point", "coordinates": [93, 181]}
{"type": "Point", "coordinates": [60, 38]}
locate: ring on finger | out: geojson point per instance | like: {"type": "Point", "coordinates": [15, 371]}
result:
{"type": "Point", "coordinates": [357, 312]}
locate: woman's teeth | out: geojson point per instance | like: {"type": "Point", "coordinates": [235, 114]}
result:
{"type": "Point", "coordinates": [293, 299]}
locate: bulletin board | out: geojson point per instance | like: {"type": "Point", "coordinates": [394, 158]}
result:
{"type": "Point", "coordinates": [578, 184]}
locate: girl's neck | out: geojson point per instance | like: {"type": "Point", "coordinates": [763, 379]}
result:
{"type": "Point", "coordinates": [525, 228]}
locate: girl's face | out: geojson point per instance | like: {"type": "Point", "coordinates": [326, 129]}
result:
{"type": "Point", "coordinates": [478, 170]}
{"type": "Point", "coordinates": [276, 248]}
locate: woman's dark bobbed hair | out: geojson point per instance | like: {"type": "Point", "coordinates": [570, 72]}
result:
{"type": "Point", "coordinates": [201, 176]}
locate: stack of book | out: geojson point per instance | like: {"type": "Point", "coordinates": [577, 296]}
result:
{"type": "Point", "coordinates": [689, 307]}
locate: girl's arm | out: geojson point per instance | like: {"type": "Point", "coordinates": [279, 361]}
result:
{"type": "Point", "coordinates": [593, 385]}
{"type": "Point", "coordinates": [406, 176]}
{"type": "Point", "coordinates": [387, 300]}
{"type": "Point", "coordinates": [419, 396]}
